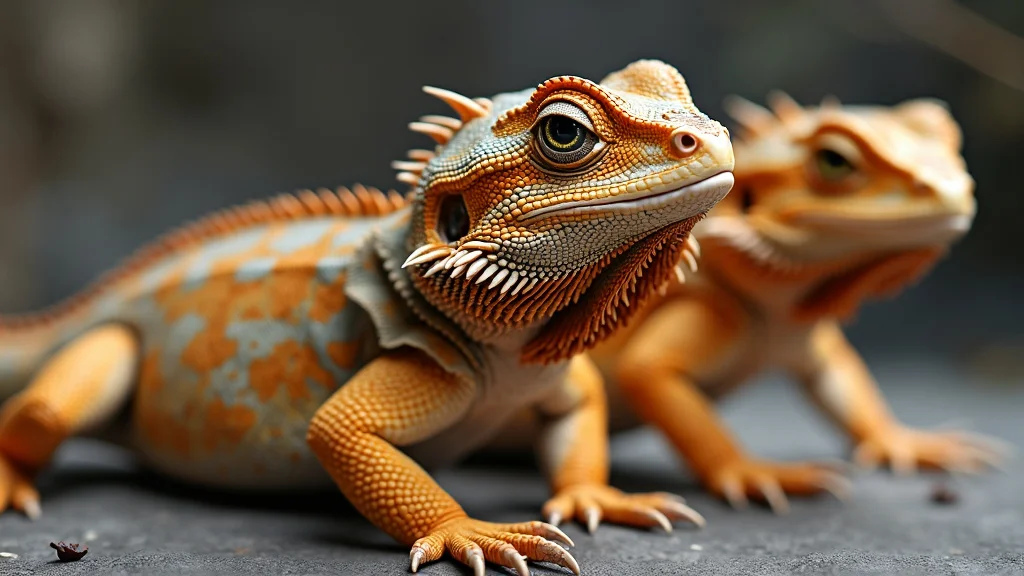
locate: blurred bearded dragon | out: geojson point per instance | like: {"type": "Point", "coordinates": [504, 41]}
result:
{"type": "Point", "coordinates": [833, 206]}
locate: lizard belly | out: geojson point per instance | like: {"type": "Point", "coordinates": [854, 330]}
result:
{"type": "Point", "coordinates": [510, 389]}
{"type": "Point", "coordinates": [236, 360]}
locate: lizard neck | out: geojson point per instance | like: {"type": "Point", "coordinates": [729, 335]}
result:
{"type": "Point", "coordinates": [556, 320]}
{"type": "Point", "coordinates": [777, 280]}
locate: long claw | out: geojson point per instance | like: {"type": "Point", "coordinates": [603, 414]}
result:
{"type": "Point", "coordinates": [669, 496]}
{"type": "Point", "coordinates": [515, 560]}
{"type": "Point", "coordinates": [555, 518]}
{"type": "Point", "coordinates": [558, 555]}
{"type": "Point", "coordinates": [593, 517]}
{"type": "Point", "coordinates": [837, 486]}
{"type": "Point", "coordinates": [32, 509]}
{"type": "Point", "coordinates": [416, 557]}
{"type": "Point", "coordinates": [476, 561]}
{"type": "Point", "coordinates": [1000, 447]}
{"type": "Point", "coordinates": [566, 560]}
{"type": "Point", "coordinates": [553, 533]}
{"type": "Point", "coordinates": [661, 519]}
{"type": "Point", "coordinates": [773, 493]}
{"type": "Point", "coordinates": [733, 492]}
{"type": "Point", "coordinates": [680, 511]}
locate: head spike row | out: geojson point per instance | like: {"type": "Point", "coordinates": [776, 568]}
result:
{"type": "Point", "coordinates": [467, 108]}
{"type": "Point", "coordinates": [406, 166]}
{"type": "Point", "coordinates": [752, 117]}
{"type": "Point", "coordinates": [420, 155]}
{"type": "Point", "coordinates": [785, 107]}
{"type": "Point", "coordinates": [445, 121]}
{"type": "Point", "coordinates": [408, 178]}
{"type": "Point", "coordinates": [831, 101]}
{"type": "Point", "coordinates": [440, 134]}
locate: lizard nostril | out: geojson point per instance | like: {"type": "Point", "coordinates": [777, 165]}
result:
{"type": "Point", "coordinates": [684, 142]}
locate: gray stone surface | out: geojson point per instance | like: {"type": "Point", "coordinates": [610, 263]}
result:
{"type": "Point", "coordinates": [135, 523]}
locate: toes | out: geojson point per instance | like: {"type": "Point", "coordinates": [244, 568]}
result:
{"type": "Point", "coordinates": [591, 517]}
{"type": "Point", "coordinates": [637, 515]}
{"type": "Point", "coordinates": [732, 490]}
{"type": "Point", "coordinates": [867, 456]}
{"type": "Point", "coordinates": [538, 549]}
{"type": "Point", "coordinates": [535, 528]}
{"type": "Point", "coordinates": [676, 511]}
{"type": "Point", "coordinates": [469, 553]}
{"type": "Point", "coordinates": [426, 549]}
{"type": "Point", "coordinates": [557, 509]}
{"type": "Point", "coordinates": [588, 512]}
{"type": "Point", "coordinates": [502, 553]}
{"type": "Point", "coordinates": [838, 486]}
{"type": "Point", "coordinates": [995, 446]}
{"type": "Point", "coordinates": [772, 493]}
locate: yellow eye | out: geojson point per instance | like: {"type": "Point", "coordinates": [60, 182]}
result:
{"type": "Point", "coordinates": [564, 141]}
{"type": "Point", "coordinates": [832, 165]}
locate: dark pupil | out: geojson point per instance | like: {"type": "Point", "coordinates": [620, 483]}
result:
{"type": "Point", "coordinates": [563, 131]}
{"type": "Point", "coordinates": [454, 221]}
{"type": "Point", "coordinates": [833, 159]}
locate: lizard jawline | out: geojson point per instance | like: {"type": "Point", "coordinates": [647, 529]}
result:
{"type": "Point", "coordinates": [618, 290]}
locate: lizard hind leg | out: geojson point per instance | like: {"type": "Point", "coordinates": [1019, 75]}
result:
{"type": "Point", "coordinates": [82, 385]}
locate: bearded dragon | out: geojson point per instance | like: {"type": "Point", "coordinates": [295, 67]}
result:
{"type": "Point", "coordinates": [833, 206]}
{"type": "Point", "coordinates": [364, 337]}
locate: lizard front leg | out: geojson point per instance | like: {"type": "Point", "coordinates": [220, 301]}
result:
{"type": "Point", "coordinates": [574, 453]}
{"type": "Point", "coordinates": [840, 383]}
{"type": "Point", "coordinates": [687, 337]}
{"type": "Point", "coordinates": [84, 384]}
{"type": "Point", "coordinates": [399, 399]}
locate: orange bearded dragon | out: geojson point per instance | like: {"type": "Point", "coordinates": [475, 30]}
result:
{"type": "Point", "coordinates": [358, 335]}
{"type": "Point", "coordinates": [833, 206]}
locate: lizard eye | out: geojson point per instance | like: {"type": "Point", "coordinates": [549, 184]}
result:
{"type": "Point", "coordinates": [832, 165]}
{"type": "Point", "coordinates": [453, 219]}
{"type": "Point", "coordinates": [565, 137]}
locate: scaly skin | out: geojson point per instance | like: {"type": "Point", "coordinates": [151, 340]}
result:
{"type": "Point", "coordinates": [833, 206]}
{"type": "Point", "coordinates": [307, 338]}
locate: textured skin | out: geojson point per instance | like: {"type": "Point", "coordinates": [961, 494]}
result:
{"type": "Point", "coordinates": [792, 253]}
{"type": "Point", "coordinates": [351, 336]}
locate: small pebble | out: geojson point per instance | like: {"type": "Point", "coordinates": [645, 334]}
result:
{"type": "Point", "coordinates": [10, 555]}
{"type": "Point", "coordinates": [696, 547]}
{"type": "Point", "coordinates": [90, 535]}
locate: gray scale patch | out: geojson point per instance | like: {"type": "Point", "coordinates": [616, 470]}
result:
{"type": "Point", "coordinates": [257, 339]}
{"type": "Point", "coordinates": [302, 235]}
{"type": "Point", "coordinates": [222, 248]}
{"type": "Point", "coordinates": [255, 269]}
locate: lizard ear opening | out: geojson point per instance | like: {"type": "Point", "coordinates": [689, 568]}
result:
{"type": "Point", "coordinates": [452, 219]}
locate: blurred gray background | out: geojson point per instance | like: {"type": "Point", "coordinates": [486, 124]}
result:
{"type": "Point", "coordinates": [120, 119]}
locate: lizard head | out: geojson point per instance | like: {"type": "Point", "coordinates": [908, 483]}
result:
{"type": "Point", "coordinates": [562, 205]}
{"type": "Point", "coordinates": [833, 181]}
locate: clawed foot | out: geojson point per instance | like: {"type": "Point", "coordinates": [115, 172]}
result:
{"type": "Point", "coordinates": [17, 491]}
{"type": "Point", "coordinates": [473, 542]}
{"type": "Point", "coordinates": [906, 450]}
{"type": "Point", "coordinates": [770, 481]}
{"type": "Point", "coordinates": [591, 503]}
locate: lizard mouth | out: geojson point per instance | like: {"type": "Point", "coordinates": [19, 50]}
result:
{"type": "Point", "coordinates": [650, 194]}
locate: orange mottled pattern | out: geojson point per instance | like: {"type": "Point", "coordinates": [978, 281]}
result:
{"type": "Point", "coordinates": [243, 339]}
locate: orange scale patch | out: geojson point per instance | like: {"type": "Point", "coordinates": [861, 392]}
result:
{"type": "Point", "coordinates": [343, 354]}
{"type": "Point", "coordinates": [290, 365]}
